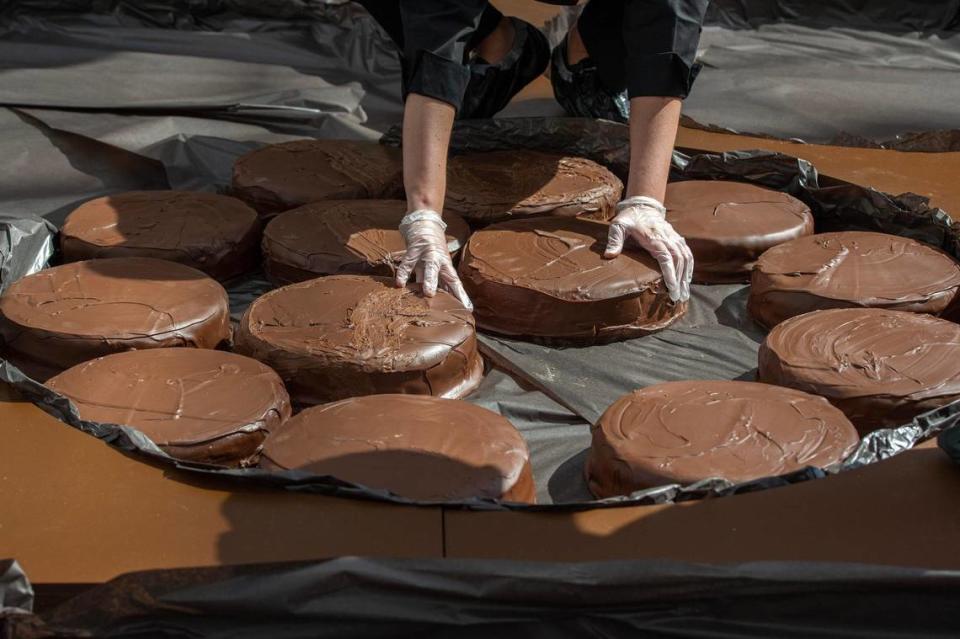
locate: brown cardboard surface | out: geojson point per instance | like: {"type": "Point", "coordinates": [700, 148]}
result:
{"type": "Point", "coordinates": [898, 512]}
{"type": "Point", "coordinates": [72, 509]}
{"type": "Point", "coordinates": [929, 174]}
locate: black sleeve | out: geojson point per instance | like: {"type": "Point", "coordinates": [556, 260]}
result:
{"type": "Point", "coordinates": [661, 38]}
{"type": "Point", "coordinates": [436, 34]}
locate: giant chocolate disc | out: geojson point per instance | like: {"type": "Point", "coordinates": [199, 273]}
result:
{"type": "Point", "coordinates": [881, 368]}
{"type": "Point", "coordinates": [283, 176]}
{"type": "Point", "coordinates": [500, 185]}
{"type": "Point", "coordinates": [417, 447]}
{"type": "Point", "coordinates": [61, 316]}
{"type": "Point", "coordinates": [729, 224]}
{"type": "Point", "coordinates": [682, 432]}
{"type": "Point", "coordinates": [349, 335]}
{"type": "Point", "coordinates": [195, 404]}
{"type": "Point", "coordinates": [212, 233]}
{"type": "Point", "coordinates": [342, 236]}
{"type": "Point", "coordinates": [546, 278]}
{"type": "Point", "coordinates": [851, 269]}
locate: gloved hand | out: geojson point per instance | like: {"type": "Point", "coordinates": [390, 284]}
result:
{"type": "Point", "coordinates": [643, 219]}
{"type": "Point", "coordinates": [427, 255]}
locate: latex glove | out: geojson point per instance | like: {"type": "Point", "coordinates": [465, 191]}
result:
{"type": "Point", "coordinates": [427, 255]}
{"type": "Point", "coordinates": [643, 219]}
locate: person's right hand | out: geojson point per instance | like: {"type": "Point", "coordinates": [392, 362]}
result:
{"type": "Point", "coordinates": [427, 255]}
{"type": "Point", "coordinates": [643, 219]}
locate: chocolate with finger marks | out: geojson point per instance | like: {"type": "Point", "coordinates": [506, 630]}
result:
{"type": "Point", "coordinates": [546, 279]}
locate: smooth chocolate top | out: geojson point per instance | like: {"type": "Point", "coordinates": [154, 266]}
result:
{"type": "Point", "coordinates": [851, 268]}
{"type": "Point", "coordinates": [64, 315]}
{"type": "Point", "coordinates": [418, 447]}
{"type": "Point", "coordinates": [729, 224]}
{"type": "Point", "coordinates": [177, 396]}
{"type": "Point", "coordinates": [283, 176]}
{"type": "Point", "coordinates": [343, 236]}
{"type": "Point", "coordinates": [682, 432]}
{"type": "Point", "coordinates": [487, 187]}
{"type": "Point", "coordinates": [362, 320]}
{"type": "Point", "coordinates": [866, 354]}
{"type": "Point", "coordinates": [213, 233]}
{"type": "Point", "coordinates": [560, 257]}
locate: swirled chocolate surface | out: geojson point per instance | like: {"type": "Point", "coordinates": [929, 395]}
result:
{"type": "Point", "coordinates": [62, 316]}
{"type": "Point", "coordinates": [350, 335]}
{"type": "Point", "coordinates": [195, 404]}
{"type": "Point", "coordinates": [682, 432]}
{"type": "Point", "coordinates": [547, 278]}
{"type": "Point", "coordinates": [417, 447]}
{"type": "Point", "coordinates": [342, 236]}
{"type": "Point", "coordinates": [213, 233]}
{"type": "Point", "coordinates": [851, 269]}
{"type": "Point", "coordinates": [283, 176]}
{"type": "Point", "coordinates": [881, 368]}
{"type": "Point", "coordinates": [729, 224]}
{"type": "Point", "coordinates": [499, 185]}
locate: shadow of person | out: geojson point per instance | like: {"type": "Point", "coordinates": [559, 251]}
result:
{"type": "Point", "coordinates": [567, 483]}
{"type": "Point", "coordinates": [258, 532]}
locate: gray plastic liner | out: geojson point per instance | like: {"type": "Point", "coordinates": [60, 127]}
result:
{"type": "Point", "coordinates": [16, 593]}
{"type": "Point", "coordinates": [553, 394]}
{"type": "Point", "coordinates": [370, 598]}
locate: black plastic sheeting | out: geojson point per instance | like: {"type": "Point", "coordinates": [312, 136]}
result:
{"type": "Point", "coordinates": [370, 598]}
{"type": "Point", "coordinates": [568, 388]}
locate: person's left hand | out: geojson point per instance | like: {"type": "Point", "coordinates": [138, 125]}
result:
{"type": "Point", "coordinates": [643, 219]}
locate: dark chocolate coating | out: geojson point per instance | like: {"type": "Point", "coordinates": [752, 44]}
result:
{"type": "Point", "coordinates": [881, 368]}
{"type": "Point", "coordinates": [212, 233]}
{"type": "Point", "coordinates": [851, 269]}
{"type": "Point", "coordinates": [546, 278]}
{"type": "Point", "coordinates": [62, 316]}
{"type": "Point", "coordinates": [349, 335]}
{"type": "Point", "coordinates": [727, 225]}
{"type": "Point", "coordinates": [195, 404]}
{"type": "Point", "coordinates": [342, 236]}
{"type": "Point", "coordinates": [418, 447]}
{"type": "Point", "coordinates": [284, 176]}
{"type": "Point", "coordinates": [683, 432]}
{"type": "Point", "coordinates": [500, 185]}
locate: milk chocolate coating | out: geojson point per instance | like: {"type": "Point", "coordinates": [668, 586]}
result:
{"type": "Point", "coordinates": [195, 404]}
{"type": "Point", "coordinates": [727, 225]}
{"type": "Point", "coordinates": [342, 236]}
{"type": "Point", "coordinates": [283, 176]}
{"type": "Point", "coordinates": [881, 368]}
{"type": "Point", "coordinates": [212, 233]}
{"type": "Point", "coordinates": [62, 316]}
{"type": "Point", "coordinates": [682, 432]}
{"type": "Point", "coordinates": [546, 278]}
{"type": "Point", "coordinates": [500, 185]}
{"type": "Point", "coordinates": [350, 335]}
{"type": "Point", "coordinates": [851, 269]}
{"type": "Point", "coordinates": [417, 447]}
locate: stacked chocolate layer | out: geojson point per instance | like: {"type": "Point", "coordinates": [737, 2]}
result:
{"type": "Point", "coordinates": [546, 278]}
{"type": "Point", "coordinates": [348, 335]}
{"type": "Point", "coordinates": [417, 447]}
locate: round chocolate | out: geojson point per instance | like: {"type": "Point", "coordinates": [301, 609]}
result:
{"type": "Point", "coordinates": [881, 368]}
{"type": "Point", "coordinates": [283, 176]}
{"type": "Point", "coordinates": [195, 404]}
{"type": "Point", "coordinates": [729, 224]}
{"type": "Point", "coordinates": [342, 236]}
{"type": "Point", "coordinates": [500, 185]}
{"type": "Point", "coordinates": [850, 269]}
{"type": "Point", "coordinates": [348, 335]}
{"type": "Point", "coordinates": [61, 316]}
{"type": "Point", "coordinates": [546, 278]}
{"type": "Point", "coordinates": [212, 233]}
{"type": "Point", "coordinates": [416, 447]}
{"type": "Point", "coordinates": [683, 432]}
